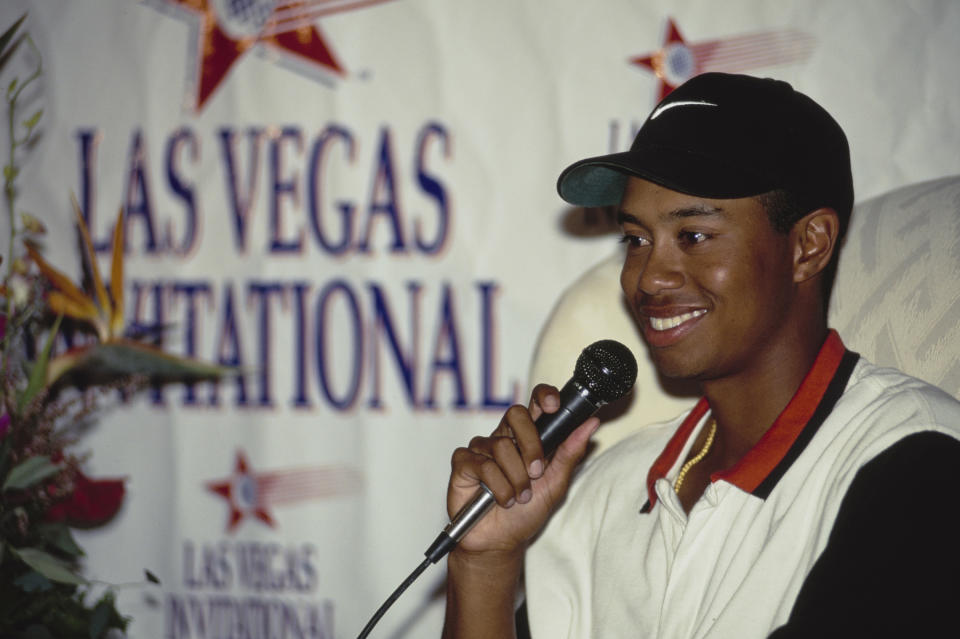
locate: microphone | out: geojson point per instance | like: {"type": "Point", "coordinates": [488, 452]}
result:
{"type": "Point", "coordinates": [604, 372]}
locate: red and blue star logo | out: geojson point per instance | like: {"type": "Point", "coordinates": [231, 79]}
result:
{"type": "Point", "coordinates": [252, 494]}
{"type": "Point", "coordinates": [678, 60]}
{"type": "Point", "coordinates": [228, 29]}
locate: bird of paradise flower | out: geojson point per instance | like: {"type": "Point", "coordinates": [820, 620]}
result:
{"type": "Point", "coordinates": [113, 356]}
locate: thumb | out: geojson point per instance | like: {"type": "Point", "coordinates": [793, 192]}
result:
{"type": "Point", "coordinates": [569, 454]}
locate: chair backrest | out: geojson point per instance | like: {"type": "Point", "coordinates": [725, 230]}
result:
{"type": "Point", "coordinates": [896, 301]}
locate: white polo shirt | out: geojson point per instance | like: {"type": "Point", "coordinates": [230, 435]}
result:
{"type": "Point", "coordinates": [621, 558]}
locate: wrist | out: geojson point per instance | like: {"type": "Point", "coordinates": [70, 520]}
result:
{"type": "Point", "coordinates": [482, 589]}
{"type": "Point", "coordinates": [494, 566]}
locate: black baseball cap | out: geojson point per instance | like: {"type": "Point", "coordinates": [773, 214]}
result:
{"type": "Point", "coordinates": [720, 136]}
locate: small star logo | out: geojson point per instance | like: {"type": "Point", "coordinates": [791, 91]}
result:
{"type": "Point", "coordinates": [677, 60]}
{"type": "Point", "coordinates": [251, 494]}
{"type": "Point", "coordinates": [227, 29]}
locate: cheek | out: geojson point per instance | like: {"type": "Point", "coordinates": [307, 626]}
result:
{"type": "Point", "coordinates": [775, 273]}
{"type": "Point", "coordinates": [629, 276]}
{"type": "Point", "coordinates": [741, 286]}
{"type": "Point", "coordinates": [722, 278]}
{"type": "Point", "coordinates": [760, 289]}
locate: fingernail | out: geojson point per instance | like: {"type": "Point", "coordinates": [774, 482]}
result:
{"type": "Point", "coordinates": [551, 402]}
{"type": "Point", "coordinates": [536, 468]}
{"type": "Point", "coordinates": [525, 496]}
{"type": "Point", "coordinates": [511, 502]}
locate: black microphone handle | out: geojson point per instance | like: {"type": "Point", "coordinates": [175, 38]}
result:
{"type": "Point", "coordinates": [575, 407]}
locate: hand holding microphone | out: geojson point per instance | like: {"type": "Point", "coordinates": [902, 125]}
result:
{"type": "Point", "coordinates": [511, 466]}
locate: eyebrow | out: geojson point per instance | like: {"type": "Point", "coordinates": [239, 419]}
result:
{"type": "Point", "coordinates": [681, 213]}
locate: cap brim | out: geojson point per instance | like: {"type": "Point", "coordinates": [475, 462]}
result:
{"type": "Point", "coordinates": [600, 181]}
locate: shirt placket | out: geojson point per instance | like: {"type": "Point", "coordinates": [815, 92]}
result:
{"type": "Point", "coordinates": [687, 571]}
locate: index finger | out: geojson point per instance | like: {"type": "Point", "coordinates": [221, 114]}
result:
{"type": "Point", "coordinates": [544, 399]}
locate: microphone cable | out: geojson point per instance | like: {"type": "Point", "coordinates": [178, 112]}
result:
{"type": "Point", "coordinates": [393, 597]}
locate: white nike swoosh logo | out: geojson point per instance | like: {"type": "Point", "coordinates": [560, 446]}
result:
{"type": "Point", "coordinates": [670, 105]}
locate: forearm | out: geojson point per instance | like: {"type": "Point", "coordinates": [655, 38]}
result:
{"type": "Point", "coordinates": [485, 569]}
{"type": "Point", "coordinates": [481, 594]}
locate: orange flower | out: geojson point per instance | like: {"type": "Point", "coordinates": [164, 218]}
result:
{"type": "Point", "coordinates": [104, 312]}
{"type": "Point", "coordinates": [112, 357]}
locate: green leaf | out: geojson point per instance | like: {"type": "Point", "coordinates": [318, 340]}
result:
{"type": "Point", "coordinates": [4, 456]}
{"type": "Point", "coordinates": [36, 631]}
{"type": "Point", "coordinates": [38, 374]}
{"type": "Point", "coordinates": [33, 581]}
{"type": "Point", "coordinates": [49, 566]}
{"type": "Point", "coordinates": [58, 535]}
{"type": "Point", "coordinates": [99, 618]}
{"type": "Point", "coordinates": [32, 122]}
{"type": "Point", "coordinates": [10, 173]}
{"type": "Point", "coordinates": [152, 578]}
{"type": "Point", "coordinates": [29, 472]}
{"type": "Point", "coordinates": [9, 33]}
{"type": "Point", "coordinates": [12, 86]}
{"type": "Point", "coordinates": [115, 360]}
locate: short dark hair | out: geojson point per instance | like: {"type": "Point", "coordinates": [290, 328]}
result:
{"type": "Point", "coordinates": [784, 210]}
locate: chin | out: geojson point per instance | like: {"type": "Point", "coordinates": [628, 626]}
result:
{"type": "Point", "coordinates": [673, 366]}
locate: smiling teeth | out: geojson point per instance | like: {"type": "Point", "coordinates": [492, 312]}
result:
{"type": "Point", "coordinates": [664, 323]}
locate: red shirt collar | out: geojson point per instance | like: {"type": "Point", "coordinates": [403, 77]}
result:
{"type": "Point", "coordinates": [754, 467]}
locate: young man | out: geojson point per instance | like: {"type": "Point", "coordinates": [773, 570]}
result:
{"type": "Point", "coordinates": [808, 494]}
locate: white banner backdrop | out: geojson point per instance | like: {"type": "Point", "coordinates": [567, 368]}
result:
{"type": "Point", "coordinates": [354, 203]}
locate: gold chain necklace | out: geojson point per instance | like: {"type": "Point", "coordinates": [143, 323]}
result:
{"type": "Point", "coordinates": [693, 462]}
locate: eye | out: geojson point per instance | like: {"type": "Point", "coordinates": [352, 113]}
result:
{"type": "Point", "coordinates": [634, 241]}
{"type": "Point", "coordinates": [693, 237]}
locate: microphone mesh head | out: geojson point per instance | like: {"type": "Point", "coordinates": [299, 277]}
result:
{"type": "Point", "coordinates": [607, 369]}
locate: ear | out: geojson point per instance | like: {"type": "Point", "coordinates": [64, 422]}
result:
{"type": "Point", "coordinates": [814, 238]}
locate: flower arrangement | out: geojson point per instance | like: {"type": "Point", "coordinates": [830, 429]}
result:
{"type": "Point", "coordinates": [65, 352]}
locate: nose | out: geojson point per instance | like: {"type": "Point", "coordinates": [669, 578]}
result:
{"type": "Point", "coordinates": [655, 272]}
